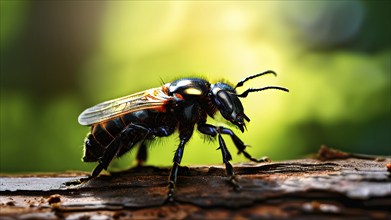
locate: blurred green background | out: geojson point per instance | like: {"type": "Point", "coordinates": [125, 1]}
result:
{"type": "Point", "coordinates": [60, 57]}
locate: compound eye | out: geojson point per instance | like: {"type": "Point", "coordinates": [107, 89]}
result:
{"type": "Point", "coordinates": [226, 104]}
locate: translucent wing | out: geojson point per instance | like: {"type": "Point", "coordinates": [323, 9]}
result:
{"type": "Point", "coordinates": [148, 99]}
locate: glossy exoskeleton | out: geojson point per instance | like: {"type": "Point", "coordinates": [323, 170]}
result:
{"type": "Point", "coordinates": [120, 124]}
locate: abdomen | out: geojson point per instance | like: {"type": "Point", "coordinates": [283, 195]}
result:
{"type": "Point", "coordinates": [103, 134]}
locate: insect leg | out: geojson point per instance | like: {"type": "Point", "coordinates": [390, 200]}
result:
{"type": "Point", "coordinates": [162, 131]}
{"type": "Point", "coordinates": [174, 170]}
{"type": "Point", "coordinates": [241, 146]}
{"type": "Point", "coordinates": [128, 136]}
{"type": "Point", "coordinates": [213, 131]}
{"type": "Point", "coordinates": [141, 154]}
{"type": "Point", "coordinates": [226, 158]}
{"type": "Point", "coordinates": [103, 163]}
{"type": "Point", "coordinates": [185, 133]}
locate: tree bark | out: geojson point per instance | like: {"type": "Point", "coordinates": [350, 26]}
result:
{"type": "Point", "coordinates": [335, 185]}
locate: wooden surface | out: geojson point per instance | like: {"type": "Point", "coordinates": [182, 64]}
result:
{"type": "Point", "coordinates": [335, 187]}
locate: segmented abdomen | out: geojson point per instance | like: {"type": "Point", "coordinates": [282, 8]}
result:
{"type": "Point", "coordinates": [103, 134]}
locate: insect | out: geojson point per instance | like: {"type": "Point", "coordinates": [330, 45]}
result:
{"type": "Point", "coordinates": [120, 124]}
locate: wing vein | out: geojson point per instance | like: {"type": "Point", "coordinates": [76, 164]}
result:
{"type": "Point", "coordinates": [150, 99]}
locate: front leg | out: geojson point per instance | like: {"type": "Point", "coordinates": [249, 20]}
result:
{"type": "Point", "coordinates": [228, 167]}
{"type": "Point", "coordinates": [213, 131]}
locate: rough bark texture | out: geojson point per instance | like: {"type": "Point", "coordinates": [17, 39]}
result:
{"type": "Point", "coordinates": [336, 185]}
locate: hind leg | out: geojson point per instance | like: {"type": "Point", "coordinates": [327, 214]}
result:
{"type": "Point", "coordinates": [142, 154]}
{"type": "Point", "coordinates": [128, 137]}
{"type": "Point", "coordinates": [162, 131]}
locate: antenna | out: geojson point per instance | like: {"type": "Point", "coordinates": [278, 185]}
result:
{"type": "Point", "coordinates": [240, 83]}
{"type": "Point", "coordinates": [245, 93]}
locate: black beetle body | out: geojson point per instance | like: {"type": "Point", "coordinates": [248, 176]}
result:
{"type": "Point", "coordinates": [120, 124]}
